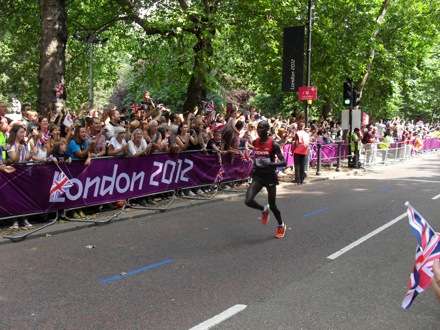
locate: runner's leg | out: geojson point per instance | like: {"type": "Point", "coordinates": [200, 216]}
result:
{"type": "Point", "coordinates": [272, 195]}
{"type": "Point", "coordinates": [252, 191]}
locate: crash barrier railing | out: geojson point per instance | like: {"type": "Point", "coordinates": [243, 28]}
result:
{"type": "Point", "coordinates": [38, 189]}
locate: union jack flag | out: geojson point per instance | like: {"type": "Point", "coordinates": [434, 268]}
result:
{"type": "Point", "coordinates": [219, 176]}
{"type": "Point", "coordinates": [246, 155]}
{"type": "Point", "coordinates": [59, 90]}
{"type": "Point", "coordinates": [428, 249]}
{"type": "Point", "coordinates": [217, 126]}
{"type": "Point", "coordinates": [208, 106]}
{"type": "Point", "coordinates": [135, 107]}
{"type": "Point", "coordinates": [43, 138]}
{"type": "Point", "coordinates": [60, 185]}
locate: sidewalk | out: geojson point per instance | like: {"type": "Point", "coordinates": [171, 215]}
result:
{"type": "Point", "coordinates": [61, 226]}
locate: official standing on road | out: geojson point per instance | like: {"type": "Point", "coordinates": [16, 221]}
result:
{"type": "Point", "coordinates": [300, 147]}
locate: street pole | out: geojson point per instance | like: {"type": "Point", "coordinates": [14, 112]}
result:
{"type": "Point", "coordinates": [90, 39]}
{"type": "Point", "coordinates": [91, 76]}
{"type": "Point", "coordinates": [309, 56]}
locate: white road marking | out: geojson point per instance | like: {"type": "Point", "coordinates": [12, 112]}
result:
{"type": "Point", "coordinates": [392, 179]}
{"type": "Point", "coordinates": [436, 197]}
{"type": "Point", "coordinates": [414, 180]}
{"type": "Point", "coordinates": [219, 318]}
{"type": "Point", "coordinates": [363, 239]}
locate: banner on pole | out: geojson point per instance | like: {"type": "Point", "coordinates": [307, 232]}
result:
{"type": "Point", "coordinates": [293, 58]}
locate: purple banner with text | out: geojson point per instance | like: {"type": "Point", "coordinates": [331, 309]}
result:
{"type": "Point", "coordinates": [47, 187]}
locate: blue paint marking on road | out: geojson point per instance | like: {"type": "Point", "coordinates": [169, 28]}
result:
{"type": "Point", "coordinates": [315, 212]}
{"type": "Point", "coordinates": [136, 271]}
{"type": "Point", "coordinates": [385, 188]}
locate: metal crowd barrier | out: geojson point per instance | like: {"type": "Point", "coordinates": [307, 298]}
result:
{"type": "Point", "coordinates": [26, 233]}
{"type": "Point", "coordinates": [65, 214]}
{"type": "Point", "coordinates": [370, 154]}
{"type": "Point", "coordinates": [96, 222]}
{"type": "Point", "coordinates": [134, 205]}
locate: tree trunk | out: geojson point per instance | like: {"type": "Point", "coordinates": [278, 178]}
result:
{"type": "Point", "coordinates": [196, 91]}
{"type": "Point", "coordinates": [53, 16]}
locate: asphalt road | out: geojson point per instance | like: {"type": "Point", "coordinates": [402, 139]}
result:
{"type": "Point", "coordinates": [179, 269]}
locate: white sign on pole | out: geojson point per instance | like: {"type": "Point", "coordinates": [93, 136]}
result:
{"type": "Point", "coordinates": [356, 119]}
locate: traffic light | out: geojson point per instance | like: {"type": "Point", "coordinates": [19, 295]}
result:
{"type": "Point", "coordinates": [348, 92]}
{"type": "Point", "coordinates": [356, 97]}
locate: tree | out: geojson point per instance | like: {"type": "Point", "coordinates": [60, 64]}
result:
{"type": "Point", "coordinates": [52, 54]}
{"type": "Point", "coordinates": [175, 20]}
{"type": "Point", "coordinates": [186, 51]}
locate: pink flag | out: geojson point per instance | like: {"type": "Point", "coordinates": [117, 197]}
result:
{"type": "Point", "coordinates": [365, 119]}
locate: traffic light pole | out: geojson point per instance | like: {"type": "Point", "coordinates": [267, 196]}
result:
{"type": "Point", "coordinates": [350, 100]}
{"type": "Point", "coordinates": [350, 112]}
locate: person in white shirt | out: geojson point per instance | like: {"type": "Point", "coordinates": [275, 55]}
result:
{"type": "Point", "coordinates": [137, 146]}
{"type": "Point", "coordinates": [117, 145]}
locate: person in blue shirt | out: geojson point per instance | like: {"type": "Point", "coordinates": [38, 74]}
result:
{"type": "Point", "coordinates": [79, 147]}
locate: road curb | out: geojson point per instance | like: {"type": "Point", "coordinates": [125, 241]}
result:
{"type": "Point", "coordinates": [68, 226]}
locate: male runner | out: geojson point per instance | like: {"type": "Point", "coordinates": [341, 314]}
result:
{"type": "Point", "coordinates": [264, 175]}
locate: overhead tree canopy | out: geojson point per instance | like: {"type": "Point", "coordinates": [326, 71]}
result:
{"type": "Point", "coordinates": [187, 51]}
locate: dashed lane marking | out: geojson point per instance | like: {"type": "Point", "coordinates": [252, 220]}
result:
{"type": "Point", "coordinates": [366, 237]}
{"type": "Point", "coordinates": [219, 318]}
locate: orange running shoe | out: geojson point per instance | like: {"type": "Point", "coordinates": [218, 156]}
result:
{"type": "Point", "coordinates": [265, 216]}
{"type": "Point", "coordinates": [281, 231]}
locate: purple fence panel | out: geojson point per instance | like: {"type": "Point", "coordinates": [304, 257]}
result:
{"type": "Point", "coordinates": [27, 191]}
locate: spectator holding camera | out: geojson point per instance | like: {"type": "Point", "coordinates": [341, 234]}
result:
{"type": "Point", "coordinates": [197, 133]}
{"type": "Point", "coordinates": [183, 137]}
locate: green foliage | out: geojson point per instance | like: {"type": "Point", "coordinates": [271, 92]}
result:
{"type": "Point", "coordinates": [233, 46]}
{"type": "Point", "coordinates": [19, 44]}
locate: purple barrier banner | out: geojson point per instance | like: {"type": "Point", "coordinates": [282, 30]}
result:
{"type": "Point", "coordinates": [329, 153]}
{"type": "Point", "coordinates": [432, 143]}
{"type": "Point", "coordinates": [40, 188]}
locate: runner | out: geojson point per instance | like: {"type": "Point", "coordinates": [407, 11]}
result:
{"type": "Point", "coordinates": [264, 175]}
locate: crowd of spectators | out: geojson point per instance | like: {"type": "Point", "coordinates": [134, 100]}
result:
{"type": "Point", "coordinates": [148, 128]}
